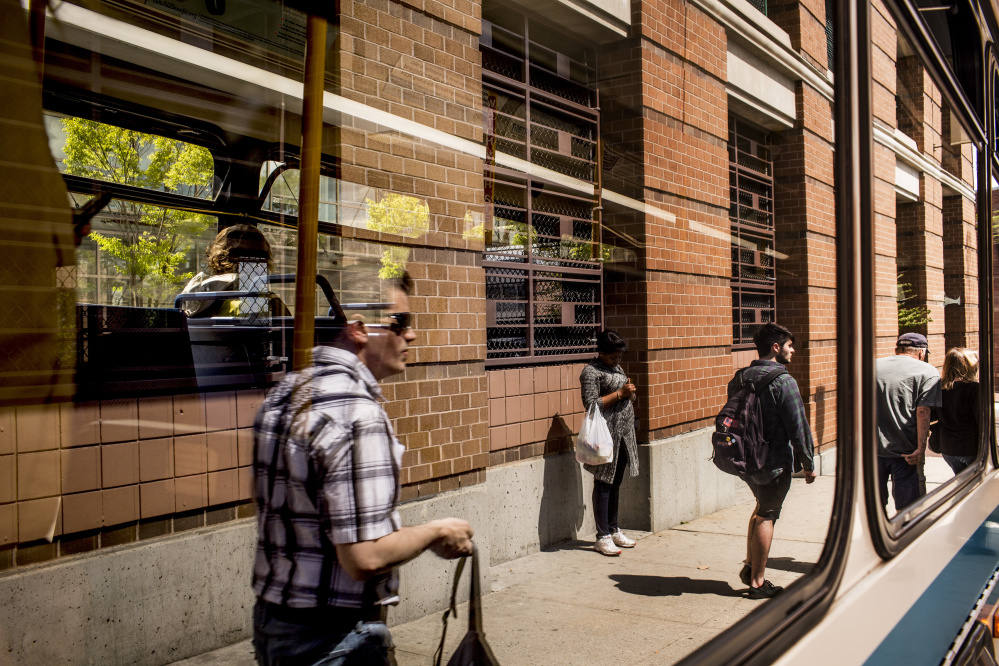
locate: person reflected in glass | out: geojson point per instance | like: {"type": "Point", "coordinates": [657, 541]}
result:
{"type": "Point", "coordinates": [603, 382]}
{"type": "Point", "coordinates": [908, 390]}
{"type": "Point", "coordinates": [957, 417]}
{"type": "Point", "coordinates": [233, 246]}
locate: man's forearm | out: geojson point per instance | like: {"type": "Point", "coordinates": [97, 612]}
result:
{"type": "Point", "coordinates": [368, 558]}
{"type": "Point", "coordinates": [922, 427]}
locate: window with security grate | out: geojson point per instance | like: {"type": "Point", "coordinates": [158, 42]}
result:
{"type": "Point", "coordinates": [751, 213]}
{"type": "Point", "coordinates": [544, 283]}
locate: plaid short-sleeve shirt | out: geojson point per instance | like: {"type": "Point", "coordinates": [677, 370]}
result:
{"type": "Point", "coordinates": [326, 471]}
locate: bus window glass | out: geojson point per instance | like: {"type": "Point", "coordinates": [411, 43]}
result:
{"type": "Point", "coordinates": [927, 282]}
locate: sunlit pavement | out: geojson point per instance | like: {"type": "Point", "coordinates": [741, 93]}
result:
{"type": "Point", "coordinates": [652, 605]}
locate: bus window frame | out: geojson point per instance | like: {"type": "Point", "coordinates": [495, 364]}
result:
{"type": "Point", "coordinates": [890, 536]}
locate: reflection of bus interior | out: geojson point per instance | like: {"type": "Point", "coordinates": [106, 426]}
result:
{"type": "Point", "coordinates": [200, 161]}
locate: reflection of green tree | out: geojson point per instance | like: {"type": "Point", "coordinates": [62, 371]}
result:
{"type": "Point", "coordinates": [401, 215]}
{"type": "Point", "coordinates": [910, 318]}
{"type": "Point", "coordinates": [149, 242]}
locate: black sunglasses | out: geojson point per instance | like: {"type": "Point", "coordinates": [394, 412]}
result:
{"type": "Point", "coordinates": [401, 322]}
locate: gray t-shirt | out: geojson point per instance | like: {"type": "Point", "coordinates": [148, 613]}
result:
{"type": "Point", "coordinates": [904, 383]}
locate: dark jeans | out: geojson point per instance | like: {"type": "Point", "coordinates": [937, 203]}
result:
{"type": "Point", "coordinates": [330, 636]}
{"type": "Point", "coordinates": [958, 463]}
{"type": "Point", "coordinates": [605, 496]}
{"type": "Point", "coordinates": [904, 478]}
{"type": "Point", "coordinates": [770, 497]}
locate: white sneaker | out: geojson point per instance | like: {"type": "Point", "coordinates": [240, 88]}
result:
{"type": "Point", "coordinates": [621, 540]}
{"type": "Point", "coordinates": [605, 546]}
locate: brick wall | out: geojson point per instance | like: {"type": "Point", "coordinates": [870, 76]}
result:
{"type": "Point", "coordinates": [105, 473]}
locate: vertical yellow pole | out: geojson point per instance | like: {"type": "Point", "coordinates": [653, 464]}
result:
{"type": "Point", "coordinates": [308, 197]}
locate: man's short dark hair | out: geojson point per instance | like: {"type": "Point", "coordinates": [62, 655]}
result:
{"type": "Point", "coordinates": [769, 334]}
{"type": "Point", "coordinates": [609, 342]}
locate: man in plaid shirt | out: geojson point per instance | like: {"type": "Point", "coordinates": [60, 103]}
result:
{"type": "Point", "coordinates": [326, 468]}
{"type": "Point", "coordinates": [785, 427]}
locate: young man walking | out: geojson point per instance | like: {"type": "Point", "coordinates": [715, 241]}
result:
{"type": "Point", "coordinates": [326, 474]}
{"type": "Point", "coordinates": [785, 427]}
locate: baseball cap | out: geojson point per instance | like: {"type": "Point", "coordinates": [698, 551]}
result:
{"type": "Point", "coordinates": [913, 340]}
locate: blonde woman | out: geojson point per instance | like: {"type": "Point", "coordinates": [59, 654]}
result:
{"type": "Point", "coordinates": [957, 417]}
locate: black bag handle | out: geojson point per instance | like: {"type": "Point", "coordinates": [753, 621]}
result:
{"type": "Point", "coordinates": [474, 603]}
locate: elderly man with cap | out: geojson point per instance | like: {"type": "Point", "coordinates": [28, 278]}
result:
{"type": "Point", "coordinates": [908, 387]}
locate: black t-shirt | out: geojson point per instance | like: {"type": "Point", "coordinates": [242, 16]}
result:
{"type": "Point", "coordinates": [958, 420]}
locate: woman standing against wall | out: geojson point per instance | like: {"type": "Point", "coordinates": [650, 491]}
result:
{"type": "Point", "coordinates": [603, 380]}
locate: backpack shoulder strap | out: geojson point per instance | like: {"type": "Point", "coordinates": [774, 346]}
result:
{"type": "Point", "coordinates": [768, 379]}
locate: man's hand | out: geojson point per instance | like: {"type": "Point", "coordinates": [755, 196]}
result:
{"type": "Point", "coordinates": [455, 538]}
{"type": "Point", "coordinates": [810, 476]}
{"type": "Point", "coordinates": [913, 458]}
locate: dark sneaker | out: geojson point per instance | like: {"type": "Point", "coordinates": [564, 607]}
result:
{"type": "Point", "coordinates": [766, 591]}
{"type": "Point", "coordinates": [746, 575]}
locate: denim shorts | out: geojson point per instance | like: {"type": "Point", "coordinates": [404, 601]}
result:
{"type": "Point", "coordinates": [770, 497]}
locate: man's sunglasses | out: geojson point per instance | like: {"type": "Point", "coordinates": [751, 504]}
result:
{"type": "Point", "coordinates": [401, 322]}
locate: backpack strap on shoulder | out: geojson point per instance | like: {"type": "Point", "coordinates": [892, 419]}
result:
{"type": "Point", "coordinates": [768, 379]}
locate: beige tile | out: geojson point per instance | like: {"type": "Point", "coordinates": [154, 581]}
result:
{"type": "Point", "coordinates": [119, 421]}
{"type": "Point", "coordinates": [247, 404]}
{"type": "Point", "coordinates": [188, 414]}
{"type": "Point", "coordinates": [245, 478]}
{"type": "Point", "coordinates": [223, 487]}
{"type": "Point", "coordinates": [80, 423]}
{"type": "Point", "coordinates": [37, 427]}
{"type": "Point", "coordinates": [220, 410]}
{"type": "Point", "coordinates": [119, 464]}
{"type": "Point", "coordinates": [157, 498]}
{"type": "Point", "coordinates": [8, 524]}
{"type": "Point", "coordinates": [81, 469]}
{"type": "Point", "coordinates": [244, 446]}
{"type": "Point", "coordinates": [82, 512]}
{"type": "Point", "coordinates": [39, 519]}
{"type": "Point", "coordinates": [37, 475]}
{"type": "Point", "coordinates": [121, 505]}
{"type": "Point", "coordinates": [221, 450]}
{"type": "Point", "coordinates": [8, 479]}
{"type": "Point", "coordinates": [155, 417]}
{"type": "Point", "coordinates": [156, 459]}
{"type": "Point", "coordinates": [192, 492]}
{"type": "Point", "coordinates": [190, 454]}
{"type": "Point", "coordinates": [8, 431]}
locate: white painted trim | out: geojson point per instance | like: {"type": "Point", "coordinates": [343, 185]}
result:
{"type": "Point", "coordinates": [765, 39]}
{"type": "Point", "coordinates": [760, 106]}
{"type": "Point", "coordinates": [887, 138]}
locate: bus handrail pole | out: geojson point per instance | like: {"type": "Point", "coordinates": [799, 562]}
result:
{"type": "Point", "coordinates": [308, 211]}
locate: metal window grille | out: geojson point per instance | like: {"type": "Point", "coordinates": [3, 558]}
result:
{"type": "Point", "coordinates": [544, 285]}
{"type": "Point", "coordinates": [751, 213]}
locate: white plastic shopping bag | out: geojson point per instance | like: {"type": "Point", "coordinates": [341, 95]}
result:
{"type": "Point", "coordinates": [594, 445]}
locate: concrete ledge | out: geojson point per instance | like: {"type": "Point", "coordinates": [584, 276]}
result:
{"type": "Point", "coordinates": [537, 503]}
{"type": "Point", "coordinates": [678, 483]}
{"type": "Point", "coordinates": [150, 603]}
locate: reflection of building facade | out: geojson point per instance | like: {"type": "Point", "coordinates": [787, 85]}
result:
{"type": "Point", "coordinates": [663, 169]}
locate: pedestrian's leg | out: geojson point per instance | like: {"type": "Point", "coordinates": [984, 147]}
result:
{"type": "Point", "coordinates": [883, 472]}
{"type": "Point", "coordinates": [905, 483]}
{"type": "Point", "coordinates": [615, 491]}
{"type": "Point", "coordinates": [749, 535]}
{"type": "Point", "coordinates": [762, 537]}
{"type": "Point", "coordinates": [601, 499]}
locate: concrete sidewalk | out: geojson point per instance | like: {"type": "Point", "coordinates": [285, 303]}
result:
{"type": "Point", "coordinates": [652, 605]}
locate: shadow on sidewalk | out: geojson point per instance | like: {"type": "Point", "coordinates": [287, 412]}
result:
{"type": "Point", "coordinates": [671, 586]}
{"type": "Point", "coordinates": [573, 544]}
{"type": "Point", "coordinates": [789, 564]}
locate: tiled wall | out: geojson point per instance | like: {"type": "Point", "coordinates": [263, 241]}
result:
{"type": "Point", "coordinates": [79, 476]}
{"type": "Point", "coordinates": [533, 411]}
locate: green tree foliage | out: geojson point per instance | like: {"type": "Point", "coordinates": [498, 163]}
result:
{"type": "Point", "coordinates": [910, 318]}
{"type": "Point", "coordinates": [148, 243]}
{"type": "Point", "coordinates": [401, 215]}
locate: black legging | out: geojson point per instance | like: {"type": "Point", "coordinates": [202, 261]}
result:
{"type": "Point", "coordinates": [605, 496]}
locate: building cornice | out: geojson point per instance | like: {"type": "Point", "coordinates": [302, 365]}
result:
{"type": "Point", "coordinates": [919, 161]}
{"type": "Point", "coordinates": [759, 34]}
